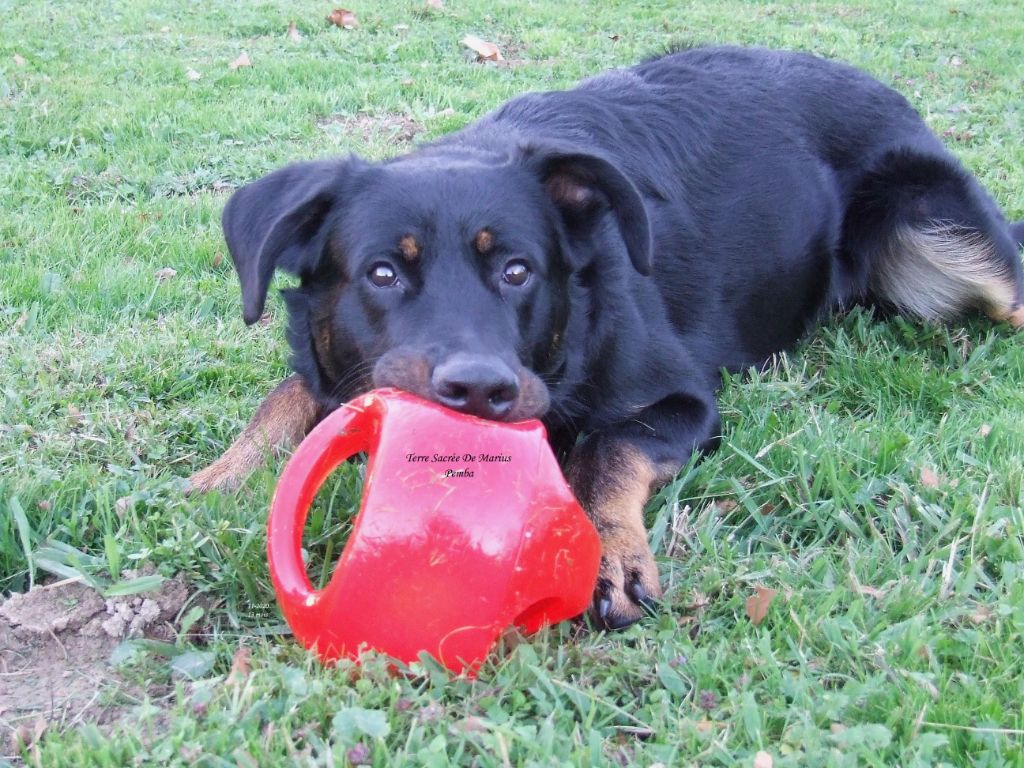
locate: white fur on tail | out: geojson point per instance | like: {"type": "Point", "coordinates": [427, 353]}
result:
{"type": "Point", "coordinates": [938, 271]}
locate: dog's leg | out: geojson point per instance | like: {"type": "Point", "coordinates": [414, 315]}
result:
{"type": "Point", "coordinates": [281, 421]}
{"type": "Point", "coordinates": [934, 243]}
{"type": "Point", "coordinates": [613, 472]}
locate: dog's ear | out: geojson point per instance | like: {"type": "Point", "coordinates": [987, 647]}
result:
{"type": "Point", "coordinates": [584, 187]}
{"type": "Point", "coordinates": [280, 221]}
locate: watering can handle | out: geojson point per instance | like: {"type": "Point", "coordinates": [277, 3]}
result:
{"type": "Point", "coordinates": [345, 432]}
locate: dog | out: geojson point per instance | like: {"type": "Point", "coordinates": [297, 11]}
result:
{"type": "Point", "coordinates": [595, 257]}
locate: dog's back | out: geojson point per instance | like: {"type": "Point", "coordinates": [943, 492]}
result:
{"type": "Point", "coordinates": [780, 186]}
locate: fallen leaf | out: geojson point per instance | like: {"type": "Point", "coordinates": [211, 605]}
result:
{"type": "Point", "coordinates": [837, 728]}
{"type": "Point", "coordinates": [218, 259]}
{"type": "Point", "coordinates": [955, 61]}
{"type": "Point", "coordinates": [437, 5]}
{"type": "Point", "coordinates": [929, 479]}
{"type": "Point", "coordinates": [165, 29]}
{"type": "Point", "coordinates": [471, 724]}
{"type": "Point", "coordinates": [757, 604]}
{"type": "Point", "coordinates": [241, 61]}
{"type": "Point", "coordinates": [725, 506]}
{"type": "Point", "coordinates": [344, 18]}
{"type": "Point", "coordinates": [985, 430]}
{"type": "Point", "coordinates": [19, 60]}
{"type": "Point", "coordinates": [293, 32]}
{"type": "Point", "coordinates": [192, 75]}
{"type": "Point", "coordinates": [165, 274]}
{"type": "Point", "coordinates": [240, 666]}
{"type": "Point", "coordinates": [614, 38]}
{"type": "Point", "coordinates": [980, 616]}
{"type": "Point", "coordinates": [25, 737]}
{"type": "Point", "coordinates": [484, 50]}
{"type": "Point", "coordinates": [763, 760]}
{"type": "Point", "coordinates": [705, 725]}
{"type": "Point", "coordinates": [870, 592]}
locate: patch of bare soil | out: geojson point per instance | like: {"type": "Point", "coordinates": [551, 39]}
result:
{"type": "Point", "coordinates": [394, 129]}
{"type": "Point", "coordinates": [55, 646]}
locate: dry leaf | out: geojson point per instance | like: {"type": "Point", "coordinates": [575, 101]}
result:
{"type": "Point", "coordinates": [837, 728]}
{"type": "Point", "coordinates": [437, 5]}
{"type": "Point", "coordinates": [240, 666]}
{"type": "Point", "coordinates": [19, 60]}
{"type": "Point", "coordinates": [341, 17]}
{"type": "Point", "coordinates": [871, 591]}
{"type": "Point", "coordinates": [763, 760]}
{"type": "Point", "coordinates": [25, 737]}
{"type": "Point", "coordinates": [985, 430]}
{"type": "Point", "coordinates": [471, 724]}
{"type": "Point", "coordinates": [192, 75]}
{"type": "Point", "coordinates": [293, 32]}
{"type": "Point", "coordinates": [165, 274]}
{"type": "Point", "coordinates": [929, 479]}
{"type": "Point", "coordinates": [241, 61]}
{"type": "Point", "coordinates": [218, 259]}
{"type": "Point", "coordinates": [757, 604]}
{"type": "Point", "coordinates": [980, 616]}
{"type": "Point", "coordinates": [484, 51]}
{"type": "Point", "coordinates": [705, 725]}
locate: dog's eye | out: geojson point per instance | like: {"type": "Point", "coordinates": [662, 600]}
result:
{"type": "Point", "coordinates": [383, 275]}
{"type": "Point", "coordinates": [516, 273]}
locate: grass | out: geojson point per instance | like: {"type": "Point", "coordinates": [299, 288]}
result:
{"type": "Point", "coordinates": [874, 478]}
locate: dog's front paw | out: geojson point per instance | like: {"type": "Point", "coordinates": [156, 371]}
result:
{"type": "Point", "coordinates": [627, 584]}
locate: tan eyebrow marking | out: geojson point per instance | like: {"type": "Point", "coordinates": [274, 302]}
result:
{"type": "Point", "coordinates": [409, 247]}
{"type": "Point", "coordinates": [484, 241]}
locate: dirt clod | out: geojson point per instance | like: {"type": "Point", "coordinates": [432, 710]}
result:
{"type": "Point", "coordinates": [55, 646]}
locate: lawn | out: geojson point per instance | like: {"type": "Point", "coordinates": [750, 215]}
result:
{"type": "Point", "coordinates": [874, 478]}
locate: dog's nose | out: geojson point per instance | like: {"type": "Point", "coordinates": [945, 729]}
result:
{"type": "Point", "coordinates": [478, 384]}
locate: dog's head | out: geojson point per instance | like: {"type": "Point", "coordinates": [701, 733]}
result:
{"type": "Point", "coordinates": [448, 272]}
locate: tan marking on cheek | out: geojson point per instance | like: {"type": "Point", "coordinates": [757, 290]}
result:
{"type": "Point", "coordinates": [484, 242]}
{"type": "Point", "coordinates": [411, 373]}
{"type": "Point", "coordinates": [409, 247]}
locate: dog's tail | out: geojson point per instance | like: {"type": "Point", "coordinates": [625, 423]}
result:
{"type": "Point", "coordinates": [934, 243]}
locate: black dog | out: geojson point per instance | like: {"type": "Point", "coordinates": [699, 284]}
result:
{"type": "Point", "coordinates": [594, 257]}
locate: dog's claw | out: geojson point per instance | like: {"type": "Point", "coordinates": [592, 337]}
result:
{"type": "Point", "coordinates": [603, 607]}
{"type": "Point", "coordinates": [639, 594]}
{"type": "Point", "coordinates": [642, 597]}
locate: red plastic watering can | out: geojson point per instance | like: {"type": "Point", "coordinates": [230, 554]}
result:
{"type": "Point", "coordinates": [466, 527]}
